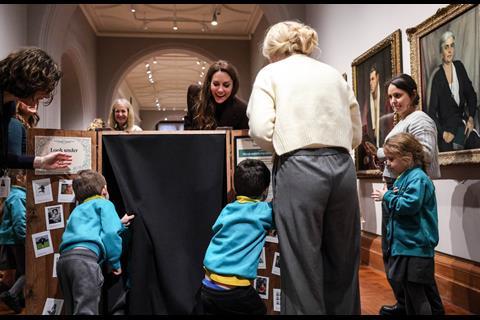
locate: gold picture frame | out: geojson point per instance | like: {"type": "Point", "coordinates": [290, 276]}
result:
{"type": "Point", "coordinates": [371, 70]}
{"type": "Point", "coordinates": [426, 60]}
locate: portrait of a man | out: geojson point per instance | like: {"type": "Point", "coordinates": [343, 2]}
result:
{"type": "Point", "coordinates": [371, 71]}
{"type": "Point", "coordinates": [377, 114]}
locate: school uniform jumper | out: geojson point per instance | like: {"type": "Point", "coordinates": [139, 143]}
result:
{"type": "Point", "coordinates": [233, 255]}
{"type": "Point", "coordinates": [92, 236]}
{"type": "Point", "coordinates": [412, 235]}
{"type": "Point", "coordinates": [12, 237]}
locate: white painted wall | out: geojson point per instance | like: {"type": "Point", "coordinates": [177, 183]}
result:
{"type": "Point", "coordinates": [345, 32]}
{"type": "Point", "coordinates": [13, 28]}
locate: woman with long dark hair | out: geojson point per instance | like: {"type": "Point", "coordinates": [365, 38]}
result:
{"type": "Point", "coordinates": [215, 103]}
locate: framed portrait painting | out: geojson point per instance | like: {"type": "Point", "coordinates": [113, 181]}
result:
{"type": "Point", "coordinates": [445, 63]}
{"type": "Point", "coordinates": [369, 73]}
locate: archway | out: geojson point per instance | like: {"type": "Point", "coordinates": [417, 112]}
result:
{"type": "Point", "coordinates": [175, 81]}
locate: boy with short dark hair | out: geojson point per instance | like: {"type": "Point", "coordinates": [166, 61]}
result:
{"type": "Point", "coordinates": [12, 239]}
{"type": "Point", "coordinates": [232, 257]}
{"type": "Point", "coordinates": [92, 235]}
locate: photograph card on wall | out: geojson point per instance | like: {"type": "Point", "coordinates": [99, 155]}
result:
{"type": "Point", "coordinates": [42, 190]}
{"type": "Point", "coordinates": [262, 264]}
{"type": "Point", "coordinates": [54, 217]}
{"type": "Point", "coordinates": [65, 191]}
{"type": "Point", "coordinates": [52, 307]}
{"type": "Point", "coordinates": [42, 243]}
{"type": "Point", "coordinates": [261, 285]}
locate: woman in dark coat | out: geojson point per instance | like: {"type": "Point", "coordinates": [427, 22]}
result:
{"type": "Point", "coordinates": [452, 103]}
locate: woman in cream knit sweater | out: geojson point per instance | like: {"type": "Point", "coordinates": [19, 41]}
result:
{"type": "Point", "coordinates": [305, 112]}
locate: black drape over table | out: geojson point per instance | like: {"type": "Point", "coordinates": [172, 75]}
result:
{"type": "Point", "coordinates": [176, 186]}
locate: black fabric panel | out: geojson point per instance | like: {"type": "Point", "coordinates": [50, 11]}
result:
{"type": "Point", "coordinates": [176, 185]}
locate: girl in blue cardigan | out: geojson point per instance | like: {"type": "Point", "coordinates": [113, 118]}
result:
{"type": "Point", "coordinates": [412, 230]}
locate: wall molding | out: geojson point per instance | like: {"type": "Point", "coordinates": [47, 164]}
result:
{"type": "Point", "coordinates": [458, 279]}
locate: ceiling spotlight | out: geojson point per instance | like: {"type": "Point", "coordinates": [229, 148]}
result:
{"type": "Point", "coordinates": [175, 27]}
{"type": "Point", "coordinates": [132, 9]}
{"type": "Point", "coordinates": [214, 18]}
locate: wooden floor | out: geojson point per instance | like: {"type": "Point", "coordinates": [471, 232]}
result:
{"type": "Point", "coordinates": [374, 292]}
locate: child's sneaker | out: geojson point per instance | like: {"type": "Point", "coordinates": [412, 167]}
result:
{"type": "Point", "coordinates": [11, 301]}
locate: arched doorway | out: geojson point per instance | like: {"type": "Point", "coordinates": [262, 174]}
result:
{"type": "Point", "coordinates": [157, 84]}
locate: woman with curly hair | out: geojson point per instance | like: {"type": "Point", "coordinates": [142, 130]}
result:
{"type": "Point", "coordinates": [30, 76]}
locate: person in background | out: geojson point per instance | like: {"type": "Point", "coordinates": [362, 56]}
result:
{"type": "Point", "coordinates": [403, 97]}
{"type": "Point", "coordinates": [304, 111]}
{"type": "Point", "coordinates": [122, 116]}
{"type": "Point", "coordinates": [232, 257]}
{"type": "Point", "coordinates": [215, 103]}
{"type": "Point", "coordinates": [453, 102]}
{"type": "Point", "coordinates": [92, 236]}
{"type": "Point", "coordinates": [412, 230]}
{"type": "Point", "coordinates": [30, 76]}
{"type": "Point", "coordinates": [12, 239]}
{"type": "Point", "coordinates": [25, 118]}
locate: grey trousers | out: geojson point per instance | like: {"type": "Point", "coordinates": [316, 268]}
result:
{"type": "Point", "coordinates": [317, 216]}
{"type": "Point", "coordinates": [81, 281]}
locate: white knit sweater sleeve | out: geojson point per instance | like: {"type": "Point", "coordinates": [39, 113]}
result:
{"type": "Point", "coordinates": [356, 119]}
{"type": "Point", "coordinates": [261, 111]}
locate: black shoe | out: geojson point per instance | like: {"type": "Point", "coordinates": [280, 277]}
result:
{"type": "Point", "coordinates": [11, 301]}
{"type": "Point", "coordinates": [394, 310]}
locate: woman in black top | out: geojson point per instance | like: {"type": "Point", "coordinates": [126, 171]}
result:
{"type": "Point", "coordinates": [215, 104]}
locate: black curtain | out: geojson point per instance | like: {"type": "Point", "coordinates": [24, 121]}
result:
{"type": "Point", "coordinates": [176, 186]}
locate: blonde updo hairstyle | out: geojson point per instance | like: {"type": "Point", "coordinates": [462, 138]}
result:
{"type": "Point", "coordinates": [288, 37]}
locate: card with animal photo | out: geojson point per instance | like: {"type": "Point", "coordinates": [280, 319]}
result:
{"type": "Point", "coordinates": [42, 190]}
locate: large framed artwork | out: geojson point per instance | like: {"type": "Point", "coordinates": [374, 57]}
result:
{"type": "Point", "coordinates": [369, 73]}
{"type": "Point", "coordinates": [445, 63]}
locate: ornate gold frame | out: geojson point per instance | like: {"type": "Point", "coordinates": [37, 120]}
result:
{"type": "Point", "coordinates": [394, 40]}
{"type": "Point", "coordinates": [442, 16]}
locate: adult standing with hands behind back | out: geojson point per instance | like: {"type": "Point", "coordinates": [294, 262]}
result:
{"type": "Point", "coordinates": [30, 76]}
{"type": "Point", "coordinates": [215, 103]}
{"type": "Point", "coordinates": [304, 111]}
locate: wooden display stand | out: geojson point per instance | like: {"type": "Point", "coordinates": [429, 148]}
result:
{"type": "Point", "coordinates": [40, 283]}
